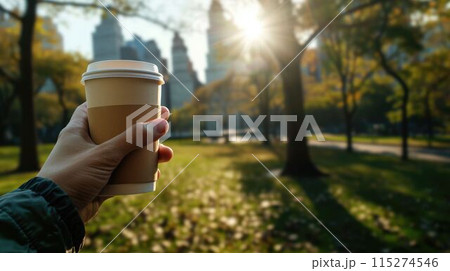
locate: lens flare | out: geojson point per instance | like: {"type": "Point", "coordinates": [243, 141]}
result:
{"type": "Point", "coordinates": [250, 24]}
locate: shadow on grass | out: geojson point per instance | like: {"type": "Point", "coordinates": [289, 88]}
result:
{"type": "Point", "coordinates": [8, 172]}
{"type": "Point", "coordinates": [405, 204]}
{"type": "Point", "coordinates": [416, 192]}
{"type": "Point", "coordinates": [295, 220]}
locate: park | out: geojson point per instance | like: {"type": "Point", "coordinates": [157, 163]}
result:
{"type": "Point", "coordinates": [227, 202]}
{"type": "Point", "coordinates": [342, 110]}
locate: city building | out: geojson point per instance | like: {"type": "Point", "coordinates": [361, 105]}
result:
{"type": "Point", "coordinates": [107, 39]}
{"type": "Point", "coordinates": [218, 32]}
{"type": "Point", "coordinates": [108, 44]}
{"type": "Point", "coordinates": [183, 71]}
{"type": "Point", "coordinates": [135, 50]}
{"type": "Point", "coordinates": [155, 55]}
{"type": "Point", "coordinates": [136, 46]}
{"type": "Point", "coordinates": [128, 53]}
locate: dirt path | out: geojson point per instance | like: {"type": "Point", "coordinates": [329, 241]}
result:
{"type": "Point", "coordinates": [419, 153]}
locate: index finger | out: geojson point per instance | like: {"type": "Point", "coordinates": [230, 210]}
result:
{"type": "Point", "coordinates": [165, 113]}
{"type": "Point", "coordinates": [79, 118]}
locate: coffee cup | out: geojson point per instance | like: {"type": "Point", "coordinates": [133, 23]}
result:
{"type": "Point", "coordinates": [120, 93]}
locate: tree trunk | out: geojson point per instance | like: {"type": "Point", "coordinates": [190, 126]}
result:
{"type": "Point", "coordinates": [3, 128]}
{"type": "Point", "coordinates": [6, 105]}
{"type": "Point", "coordinates": [28, 138]}
{"type": "Point", "coordinates": [264, 105]}
{"type": "Point", "coordinates": [62, 103]}
{"type": "Point", "coordinates": [349, 132]}
{"type": "Point", "coordinates": [404, 108]}
{"type": "Point", "coordinates": [405, 128]}
{"type": "Point", "coordinates": [285, 48]}
{"type": "Point", "coordinates": [298, 160]}
{"type": "Point", "coordinates": [265, 110]}
{"type": "Point", "coordinates": [428, 118]}
{"type": "Point", "coordinates": [347, 114]}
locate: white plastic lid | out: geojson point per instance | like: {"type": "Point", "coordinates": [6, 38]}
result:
{"type": "Point", "coordinates": [122, 68]}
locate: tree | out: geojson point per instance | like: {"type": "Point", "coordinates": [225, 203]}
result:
{"type": "Point", "coordinates": [395, 27]}
{"type": "Point", "coordinates": [429, 77]}
{"type": "Point", "coordinates": [430, 82]}
{"type": "Point", "coordinates": [281, 22]}
{"type": "Point", "coordinates": [352, 68]}
{"type": "Point", "coordinates": [260, 76]}
{"type": "Point", "coordinates": [394, 39]}
{"type": "Point", "coordinates": [8, 79]}
{"type": "Point", "coordinates": [260, 80]}
{"type": "Point", "coordinates": [227, 96]}
{"type": "Point", "coordinates": [324, 102]}
{"type": "Point", "coordinates": [28, 160]}
{"type": "Point", "coordinates": [64, 70]}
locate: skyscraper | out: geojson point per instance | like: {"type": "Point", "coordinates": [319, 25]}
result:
{"type": "Point", "coordinates": [109, 44]}
{"type": "Point", "coordinates": [219, 30]}
{"type": "Point", "coordinates": [155, 55]}
{"type": "Point", "coordinates": [182, 69]}
{"type": "Point", "coordinates": [107, 39]}
{"type": "Point", "coordinates": [128, 53]}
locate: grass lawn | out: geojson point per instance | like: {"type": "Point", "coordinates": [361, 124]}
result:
{"type": "Point", "coordinates": [420, 141]}
{"type": "Point", "coordinates": [226, 202]}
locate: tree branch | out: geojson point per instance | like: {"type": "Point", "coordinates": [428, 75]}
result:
{"type": "Point", "coordinates": [347, 12]}
{"type": "Point", "coordinates": [366, 77]}
{"type": "Point", "coordinates": [362, 6]}
{"type": "Point", "coordinates": [155, 21]}
{"type": "Point", "coordinates": [10, 13]}
{"type": "Point", "coordinates": [7, 76]}
{"type": "Point", "coordinates": [384, 62]}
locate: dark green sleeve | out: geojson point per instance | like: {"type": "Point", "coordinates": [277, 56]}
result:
{"type": "Point", "coordinates": [39, 217]}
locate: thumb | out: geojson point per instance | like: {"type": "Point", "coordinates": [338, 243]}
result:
{"type": "Point", "coordinates": [119, 146]}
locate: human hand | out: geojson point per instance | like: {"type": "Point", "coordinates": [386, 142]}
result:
{"type": "Point", "coordinates": [82, 168]}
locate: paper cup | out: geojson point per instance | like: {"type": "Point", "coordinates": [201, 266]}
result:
{"type": "Point", "coordinates": [120, 93]}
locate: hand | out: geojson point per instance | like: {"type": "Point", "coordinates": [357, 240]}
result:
{"type": "Point", "coordinates": [81, 168]}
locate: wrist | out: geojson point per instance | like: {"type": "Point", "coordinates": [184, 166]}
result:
{"type": "Point", "coordinates": [58, 199]}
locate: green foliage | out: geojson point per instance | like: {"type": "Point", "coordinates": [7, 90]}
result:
{"type": "Point", "coordinates": [377, 102]}
{"type": "Point", "coordinates": [48, 113]}
{"type": "Point", "coordinates": [323, 100]}
{"type": "Point", "coordinates": [62, 69]}
{"type": "Point", "coordinates": [430, 80]}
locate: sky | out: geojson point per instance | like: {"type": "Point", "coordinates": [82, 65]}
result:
{"type": "Point", "coordinates": [76, 25]}
{"type": "Point", "coordinates": [77, 28]}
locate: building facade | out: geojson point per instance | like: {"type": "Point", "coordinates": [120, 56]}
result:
{"type": "Point", "coordinates": [218, 32]}
{"type": "Point", "coordinates": [183, 71]}
{"type": "Point", "coordinates": [107, 39]}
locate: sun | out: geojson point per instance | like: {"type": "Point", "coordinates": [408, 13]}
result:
{"type": "Point", "coordinates": [249, 24]}
{"type": "Point", "coordinates": [252, 29]}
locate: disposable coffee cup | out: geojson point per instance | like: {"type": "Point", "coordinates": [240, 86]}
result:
{"type": "Point", "coordinates": [120, 93]}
